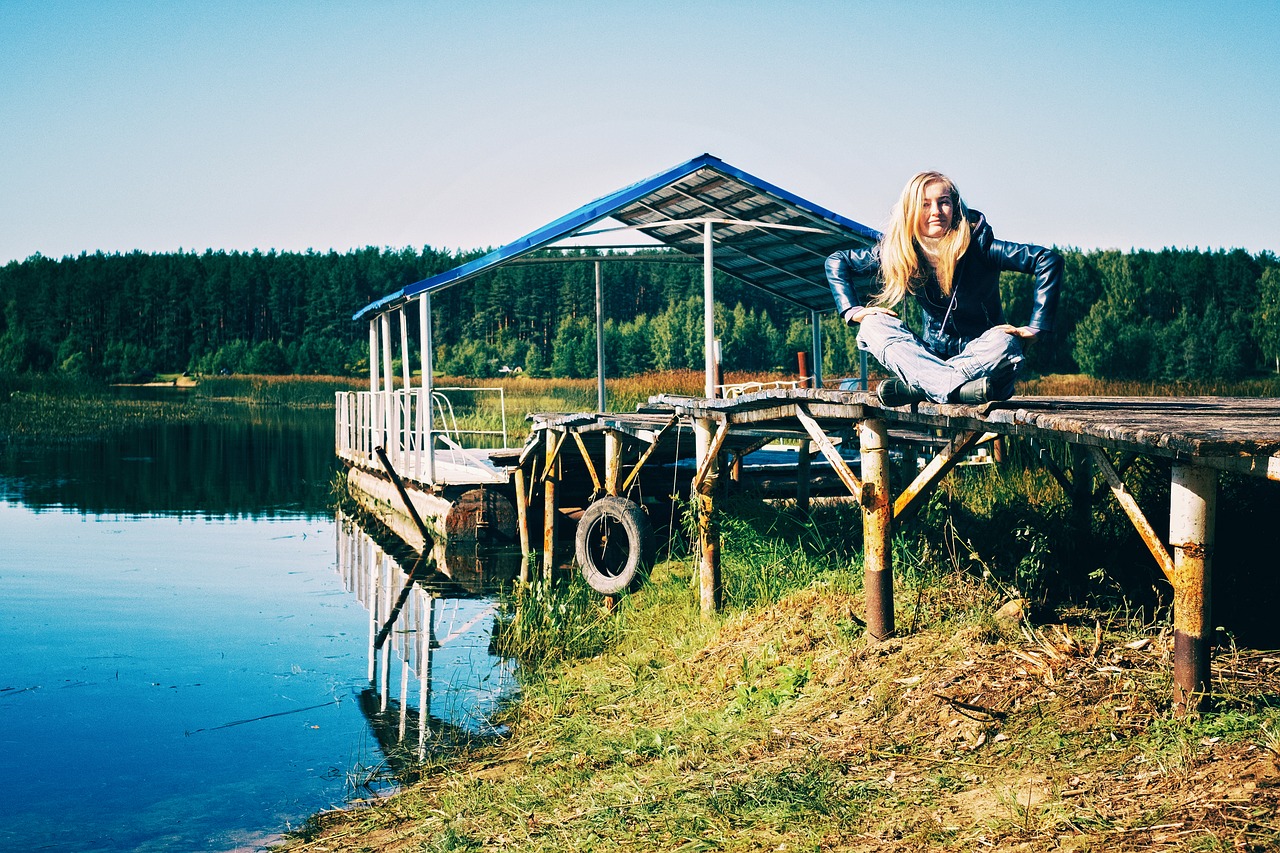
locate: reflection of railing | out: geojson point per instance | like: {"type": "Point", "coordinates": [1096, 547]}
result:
{"type": "Point", "coordinates": [419, 439]}
{"type": "Point", "coordinates": [409, 626]}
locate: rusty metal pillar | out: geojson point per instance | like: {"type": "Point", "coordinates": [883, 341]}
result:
{"type": "Point", "coordinates": [551, 511]}
{"type": "Point", "coordinates": [1192, 510]}
{"type": "Point", "coordinates": [709, 580]}
{"type": "Point", "coordinates": [877, 528]}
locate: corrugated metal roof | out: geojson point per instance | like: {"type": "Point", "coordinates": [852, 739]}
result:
{"type": "Point", "coordinates": [784, 262]}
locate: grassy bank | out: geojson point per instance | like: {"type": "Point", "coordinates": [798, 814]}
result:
{"type": "Point", "coordinates": [779, 726]}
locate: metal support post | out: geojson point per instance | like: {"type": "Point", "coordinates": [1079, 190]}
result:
{"type": "Point", "coordinates": [708, 309]}
{"type": "Point", "coordinates": [406, 366]}
{"type": "Point", "coordinates": [599, 341]}
{"type": "Point", "coordinates": [877, 528]}
{"type": "Point", "coordinates": [1192, 510]}
{"type": "Point", "coordinates": [428, 383]}
{"type": "Point", "coordinates": [388, 396]}
{"type": "Point", "coordinates": [816, 318]}
{"type": "Point", "coordinates": [373, 356]}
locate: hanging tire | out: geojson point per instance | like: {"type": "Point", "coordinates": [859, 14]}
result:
{"type": "Point", "coordinates": [613, 544]}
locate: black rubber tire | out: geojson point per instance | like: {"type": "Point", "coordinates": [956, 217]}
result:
{"type": "Point", "coordinates": [614, 545]}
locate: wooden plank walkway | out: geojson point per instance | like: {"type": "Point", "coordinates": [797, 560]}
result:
{"type": "Point", "coordinates": [1229, 433]}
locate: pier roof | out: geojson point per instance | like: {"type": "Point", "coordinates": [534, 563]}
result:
{"type": "Point", "coordinates": [762, 234]}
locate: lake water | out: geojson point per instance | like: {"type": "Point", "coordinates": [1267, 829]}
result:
{"type": "Point", "coordinates": [186, 644]}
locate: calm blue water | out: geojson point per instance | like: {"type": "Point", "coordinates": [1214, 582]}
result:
{"type": "Point", "coordinates": [176, 680]}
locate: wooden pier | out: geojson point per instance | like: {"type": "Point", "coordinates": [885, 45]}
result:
{"type": "Point", "coordinates": [611, 474]}
{"type": "Point", "coordinates": [685, 446]}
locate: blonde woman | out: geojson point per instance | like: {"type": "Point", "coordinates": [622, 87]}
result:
{"type": "Point", "coordinates": [945, 256]}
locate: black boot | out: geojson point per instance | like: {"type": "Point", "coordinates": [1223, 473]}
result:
{"type": "Point", "coordinates": [895, 392]}
{"type": "Point", "coordinates": [975, 392]}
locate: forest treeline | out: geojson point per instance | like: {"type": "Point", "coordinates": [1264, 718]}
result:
{"type": "Point", "coordinates": [1167, 315]}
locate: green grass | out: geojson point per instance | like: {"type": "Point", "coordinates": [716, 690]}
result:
{"type": "Point", "coordinates": [777, 725]}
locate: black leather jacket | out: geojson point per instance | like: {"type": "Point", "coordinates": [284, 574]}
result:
{"type": "Point", "coordinates": [974, 305]}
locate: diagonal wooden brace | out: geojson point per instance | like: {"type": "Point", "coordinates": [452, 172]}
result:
{"type": "Point", "coordinates": [1131, 509]}
{"type": "Point", "coordinates": [586, 457]}
{"type": "Point", "coordinates": [555, 451]}
{"type": "Point", "coordinates": [947, 458]}
{"type": "Point", "coordinates": [709, 460]}
{"type": "Point", "coordinates": [657, 439]}
{"type": "Point", "coordinates": [846, 475]}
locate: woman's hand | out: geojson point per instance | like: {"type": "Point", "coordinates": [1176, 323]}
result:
{"type": "Point", "coordinates": [866, 310]}
{"type": "Point", "coordinates": [1025, 332]}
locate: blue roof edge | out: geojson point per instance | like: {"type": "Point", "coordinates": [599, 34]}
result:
{"type": "Point", "coordinates": [592, 212]}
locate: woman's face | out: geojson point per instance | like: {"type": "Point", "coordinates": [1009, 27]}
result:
{"type": "Point", "coordinates": [935, 211]}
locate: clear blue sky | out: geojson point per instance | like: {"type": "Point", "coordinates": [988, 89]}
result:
{"type": "Point", "coordinates": [241, 125]}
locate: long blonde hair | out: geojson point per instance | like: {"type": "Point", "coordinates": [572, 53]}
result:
{"type": "Point", "coordinates": [902, 247]}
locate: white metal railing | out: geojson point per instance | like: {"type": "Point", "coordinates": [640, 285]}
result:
{"type": "Point", "coordinates": [737, 389]}
{"type": "Point", "coordinates": [398, 422]}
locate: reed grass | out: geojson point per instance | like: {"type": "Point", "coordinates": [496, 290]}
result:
{"type": "Point", "coordinates": [277, 390]}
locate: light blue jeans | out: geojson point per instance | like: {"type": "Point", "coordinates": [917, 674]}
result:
{"type": "Point", "coordinates": [995, 353]}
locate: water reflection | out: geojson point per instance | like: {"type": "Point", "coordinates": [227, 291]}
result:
{"type": "Point", "coordinates": [433, 678]}
{"type": "Point", "coordinates": [233, 460]}
{"type": "Point", "coordinates": [180, 631]}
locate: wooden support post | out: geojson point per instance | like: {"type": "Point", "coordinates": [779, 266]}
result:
{"type": "Point", "coordinates": [709, 582]}
{"type": "Point", "coordinates": [522, 523]}
{"type": "Point", "coordinates": [612, 461]}
{"type": "Point", "coordinates": [1082, 488]}
{"type": "Point", "coordinates": [802, 477]}
{"type": "Point", "coordinates": [877, 528]}
{"type": "Point", "coordinates": [1192, 511]}
{"type": "Point", "coordinates": [551, 512]}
